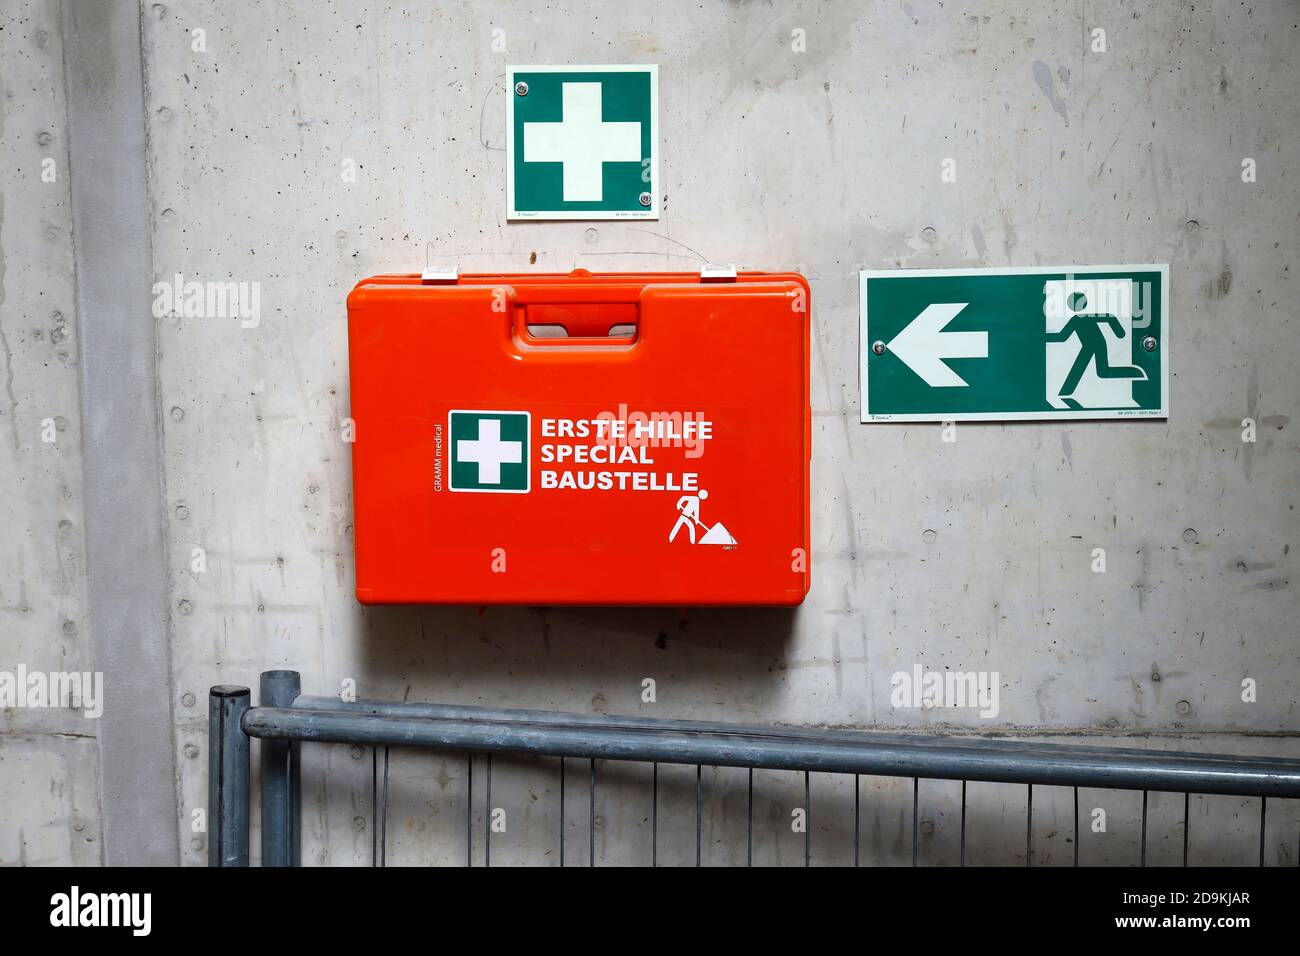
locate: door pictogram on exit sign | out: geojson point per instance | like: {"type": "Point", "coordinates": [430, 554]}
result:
{"type": "Point", "coordinates": [1015, 344]}
{"type": "Point", "coordinates": [582, 142]}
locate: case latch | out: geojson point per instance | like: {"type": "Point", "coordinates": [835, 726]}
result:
{"type": "Point", "coordinates": [441, 276]}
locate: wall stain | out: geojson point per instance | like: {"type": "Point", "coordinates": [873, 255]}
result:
{"type": "Point", "coordinates": [1220, 285]}
{"type": "Point", "coordinates": [1043, 77]}
{"type": "Point", "coordinates": [4, 340]}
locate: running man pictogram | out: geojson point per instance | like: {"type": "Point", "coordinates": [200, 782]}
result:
{"type": "Point", "coordinates": [1092, 347]}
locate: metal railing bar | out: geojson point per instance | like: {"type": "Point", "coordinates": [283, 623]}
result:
{"type": "Point", "coordinates": [544, 718]}
{"type": "Point", "coordinates": [539, 717]}
{"type": "Point", "coordinates": [487, 814]}
{"type": "Point", "coordinates": [469, 809]}
{"type": "Point", "coordinates": [591, 822]}
{"type": "Point", "coordinates": [561, 811]}
{"type": "Point", "coordinates": [229, 769]}
{"type": "Point", "coordinates": [885, 755]}
{"type": "Point", "coordinates": [281, 777]}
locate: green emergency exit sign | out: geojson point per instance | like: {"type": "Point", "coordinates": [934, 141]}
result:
{"type": "Point", "coordinates": [1015, 344]}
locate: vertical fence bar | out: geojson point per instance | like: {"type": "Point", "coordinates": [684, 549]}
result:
{"type": "Point", "coordinates": [374, 806]}
{"type": "Point", "coordinates": [963, 823]}
{"type": "Point", "coordinates": [383, 820]}
{"type": "Point", "coordinates": [654, 816]}
{"type": "Point", "coordinates": [591, 820]}
{"type": "Point", "coordinates": [699, 774]}
{"type": "Point", "coordinates": [228, 773]}
{"type": "Point", "coordinates": [487, 814]}
{"type": "Point", "coordinates": [378, 810]}
{"type": "Point", "coordinates": [916, 802]}
{"type": "Point", "coordinates": [749, 825]}
{"type": "Point", "coordinates": [807, 820]}
{"type": "Point", "coordinates": [469, 810]}
{"type": "Point", "coordinates": [1187, 805]}
{"type": "Point", "coordinates": [1263, 812]}
{"type": "Point", "coordinates": [281, 778]}
{"type": "Point", "coordinates": [561, 811]}
{"type": "Point", "coordinates": [857, 816]}
{"type": "Point", "coordinates": [1076, 826]}
{"type": "Point", "coordinates": [1144, 828]}
{"type": "Point", "coordinates": [1029, 825]}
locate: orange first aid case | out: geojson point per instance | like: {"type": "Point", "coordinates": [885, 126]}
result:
{"type": "Point", "coordinates": [580, 438]}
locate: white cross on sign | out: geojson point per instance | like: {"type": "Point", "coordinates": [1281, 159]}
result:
{"type": "Point", "coordinates": [583, 142]}
{"type": "Point", "coordinates": [489, 452]}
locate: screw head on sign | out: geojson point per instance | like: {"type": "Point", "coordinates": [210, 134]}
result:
{"type": "Point", "coordinates": [521, 88]}
{"type": "Point", "coordinates": [878, 347]}
{"type": "Point", "coordinates": [646, 199]}
{"type": "Point", "coordinates": [1149, 343]}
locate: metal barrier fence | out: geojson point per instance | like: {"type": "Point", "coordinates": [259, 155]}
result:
{"type": "Point", "coordinates": [288, 718]}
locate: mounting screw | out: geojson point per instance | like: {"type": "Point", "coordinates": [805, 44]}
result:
{"type": "Point", "coordinates": [878, 347]}
{"type": "Point", "coordinates": [1149, 343]}
{"type": "Point", "coordinates": [521, 88]}
{"type": "Point", "coordinates": [646, 199]}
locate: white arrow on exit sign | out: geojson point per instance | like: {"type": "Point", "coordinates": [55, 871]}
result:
{"type": "Point", "coordinates": [923, 345]}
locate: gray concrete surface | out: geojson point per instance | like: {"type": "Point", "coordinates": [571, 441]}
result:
{"type": "Point", "coordinates": [122, 492]}
{"type": "Point", "coordinates": [49, 759]}
{"type": "Point", "coordinates": [973, 555]}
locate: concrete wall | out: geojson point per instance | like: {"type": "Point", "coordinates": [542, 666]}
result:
{"type": "Point", "coordinates": [973, 555]}
{"type": "Point", "coordinates": [49, 801]}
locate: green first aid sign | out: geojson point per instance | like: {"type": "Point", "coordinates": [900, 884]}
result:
{"type": "Point", "coordinates": [582, 142]}
{"type": "Point", "coordinates": [1015, 344]}
{"type": "Point", "coordinates": [489, 451]}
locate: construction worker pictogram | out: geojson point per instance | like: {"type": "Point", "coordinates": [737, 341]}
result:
{"type": "Point", "coordinates": [688, 508]}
